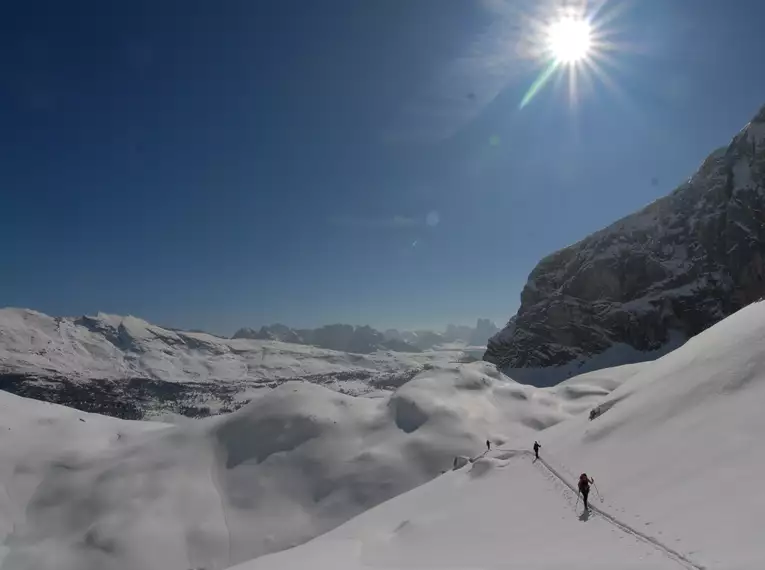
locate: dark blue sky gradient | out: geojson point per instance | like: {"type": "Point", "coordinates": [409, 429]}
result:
{"type": "Point", "coordinates": [223, 164]}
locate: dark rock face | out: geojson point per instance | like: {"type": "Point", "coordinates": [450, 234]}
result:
{"type": "Point", "coordinates": [664, 273]}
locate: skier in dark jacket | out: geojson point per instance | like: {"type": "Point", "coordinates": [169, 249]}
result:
{"type": "Point", "coordinates": [536, 448]}
{"type": "Point", "coordinates": [488, 445]}
{"type": "Point", "coordinates": [584, 488]}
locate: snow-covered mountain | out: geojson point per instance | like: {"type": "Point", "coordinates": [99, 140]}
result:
{"type": "Point", "coordinates": [127, 367]}
{"type": "Point", "coordinates": [647, 283]}
{"type": "Point", "coordinates": [675, 454]}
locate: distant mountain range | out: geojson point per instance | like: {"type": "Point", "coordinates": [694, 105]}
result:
{"type": "Point", "coordinates": [365, 339]}
{"type": "Point", "coordinates": [127, 367]}
{"type": "Point", "coordinates": [425, 339]}
{"type": "Point", "coordinates": [346, 338]}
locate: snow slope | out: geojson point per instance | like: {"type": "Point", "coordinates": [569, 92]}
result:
{"type": "Point", "coordinates": [291, 465]}
{"type": "Point", "coordinates": [495, 514]}
{"type": "Point", "coordinates": [678, 459]}
{"type": "Point", "coordinates": [306, 477]}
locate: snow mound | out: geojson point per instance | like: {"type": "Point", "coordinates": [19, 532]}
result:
{"type": "Point", "coordinates": [291, 465]}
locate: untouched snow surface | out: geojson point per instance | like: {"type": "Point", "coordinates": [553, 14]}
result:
{"type": "Point", "coordinates": [676, 455]}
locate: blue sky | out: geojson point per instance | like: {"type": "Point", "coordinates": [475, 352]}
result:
{"type": "Point", "coordinates": [223, 164]}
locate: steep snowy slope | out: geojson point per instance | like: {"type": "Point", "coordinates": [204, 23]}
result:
{"type": "Point", "coordinates": [677, 457]}
{"type": "Point", "coordinates": [682, 450]}
{"type": "Point", "coordinates": [642, 286]}
{"type": "Point", "coordinates": [127, 367]}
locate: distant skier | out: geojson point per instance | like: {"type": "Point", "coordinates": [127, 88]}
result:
{"type": "Point", "coordinates": [584, 488]}
{"type": "Point", "coordinates": [488, 445]}
{"type": "Point", "coordinates": [536, 449]}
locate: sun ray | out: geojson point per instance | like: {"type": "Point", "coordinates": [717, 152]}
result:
{"type": "Point", "coordinates": [540, 82]}
{"type": "Point", "coordinates": [598, 72]}
{"type": "Point", "coordinates": [573, 93]}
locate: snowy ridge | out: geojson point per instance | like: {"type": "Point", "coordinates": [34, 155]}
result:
{"type": "Point", "coordinates": [110, 346]}
{"type": "Point", "coordinates": [127, 367]}
{"type": "Point", "coordinates": [651, 280]}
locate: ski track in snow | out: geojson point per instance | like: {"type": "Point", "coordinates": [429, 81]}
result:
{"type": "Point", "coordinates": [669, 552]}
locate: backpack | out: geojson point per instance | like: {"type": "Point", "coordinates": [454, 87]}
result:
{"type": "Point", "coordinates": [584, 483]}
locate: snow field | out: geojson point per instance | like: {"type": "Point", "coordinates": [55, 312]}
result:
{"type": "Point", "coordinates": [307, 477]}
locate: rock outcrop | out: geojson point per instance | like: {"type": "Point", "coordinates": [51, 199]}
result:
{"type": "Point", "coordinates": [648, 282]}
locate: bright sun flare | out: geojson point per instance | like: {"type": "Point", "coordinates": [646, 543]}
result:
{"type": "Point", "coordinates": [569, 40]}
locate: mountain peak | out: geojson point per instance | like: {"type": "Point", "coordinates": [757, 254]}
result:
{"type": "Point", "coordinates": [651, 280]}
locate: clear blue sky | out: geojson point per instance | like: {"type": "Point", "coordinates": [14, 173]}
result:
{"type": "Point", "coordinates": [221, 164]}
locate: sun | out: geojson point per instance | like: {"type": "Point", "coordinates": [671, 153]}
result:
{"type": "Point", "coordinates": [575, 45]}
{"type": "Point", "coordinates": [569, 40]}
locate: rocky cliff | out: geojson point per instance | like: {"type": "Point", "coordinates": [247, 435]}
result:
{"type": "Point", "coordinates": [648, 282]}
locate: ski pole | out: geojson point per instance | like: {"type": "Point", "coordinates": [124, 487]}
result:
{"type": "Point", "coordinates": [597, 491]}
{"type": "Point", "coordinates": [578, 495]}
